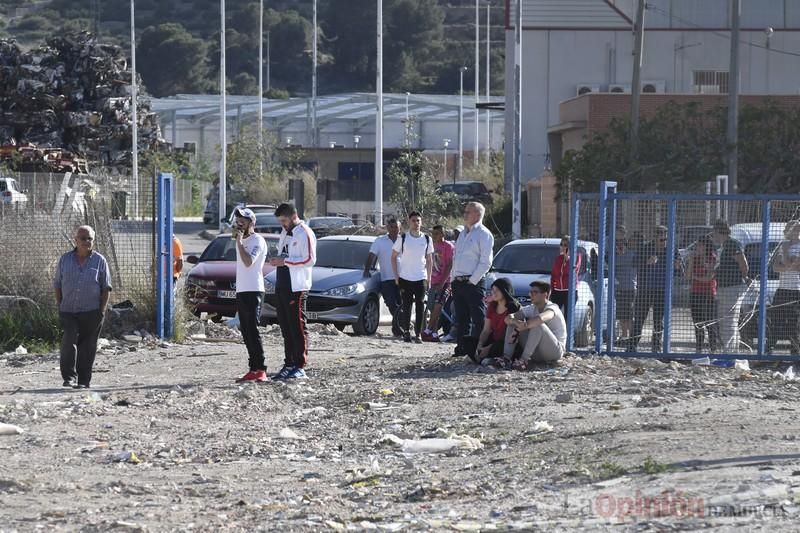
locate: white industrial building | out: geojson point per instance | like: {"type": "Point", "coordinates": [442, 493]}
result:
{"type": "Point", "coordinates": [570, 47]}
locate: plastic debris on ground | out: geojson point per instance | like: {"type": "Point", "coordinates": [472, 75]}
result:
{"type": "Point", "coordinates": [434, 445]}
{"type": "Point", "coordinates": [10, 429]}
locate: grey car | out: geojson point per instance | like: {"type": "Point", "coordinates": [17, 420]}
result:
{"type": "Point", "coordinates": [340, 294]}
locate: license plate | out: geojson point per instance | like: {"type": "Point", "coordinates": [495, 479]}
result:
{"type": "Point", "coordinates": [226, 294]}
{"type": "Point", "coordinates": [312, 316]}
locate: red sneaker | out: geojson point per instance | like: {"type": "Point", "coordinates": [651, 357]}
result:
{"type": "Point", "coordinates": [247, 377]}
{"type": "Point", "coordinates": [253, 375]}
{"type": "Point", "coordinates": [260, 376]}
{"type": "Point", "coordinates": [430, 337]}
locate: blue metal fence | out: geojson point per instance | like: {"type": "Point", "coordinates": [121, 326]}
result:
{"type": "Point", "coordinates": [611, 218]}
{"type": "Point", "coordinates": [165, 296]}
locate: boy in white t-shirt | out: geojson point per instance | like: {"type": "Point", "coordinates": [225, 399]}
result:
{"type": "Point", "coordinates": [251, 251]}
{"type": "Point", "coordinates": [784, 312]}
{"type": "Point", "coordinates": [412, 261]}
{"type": "Point", "coordinates": [538, 329]}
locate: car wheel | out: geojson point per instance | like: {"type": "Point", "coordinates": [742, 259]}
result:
{"type": "Point", "coordinates": [370, 318]}
{"type": "Point", "coordinates": [340, 326]}
{"type": "Point", "coordinates": [584, 336]}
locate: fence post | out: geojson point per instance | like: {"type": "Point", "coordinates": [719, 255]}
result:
{"type": "Point", "coordinates": [612, 272]}
{"type": "Point", "coordinates": [763, 282]}
{"type": "Point", "coordinates": [573, 249]}
{"type": "Point", "coordinates": [672, 216]}
{"type": "Point", "coordinates": [601, 263]}
{"type": "Point", "coordinates": [164, 230]}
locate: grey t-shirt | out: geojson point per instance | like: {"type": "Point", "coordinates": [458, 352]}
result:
{"type": "Point", "coordinates": [626, 271]}
{"type": "Point", "coordinates": [557, 324]}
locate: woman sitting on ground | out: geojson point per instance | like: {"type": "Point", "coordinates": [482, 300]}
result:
{"type": "Point", "coordinates": [501, 304]}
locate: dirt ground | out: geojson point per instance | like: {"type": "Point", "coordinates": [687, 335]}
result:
{"type": "Point", "coordinates": [389, 436]}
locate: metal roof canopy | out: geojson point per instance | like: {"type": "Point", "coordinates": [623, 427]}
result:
{"type": "Point", "coordinates": [204, 108]}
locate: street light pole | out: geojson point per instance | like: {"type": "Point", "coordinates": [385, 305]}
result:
{"type": "Point", "coordinates": [315, 141]}
{"type": "Point", "coordinates": [477, 144]}
{"type": "Point", "coordinates": [460, 170]}
{"type": "Point", "coordinates": [223, 170]}
{"type": "Point", "coordinates": [488, 78]}
{"type": "Point", "coordinates": [733, 99]}
{"type": "Point", "coordinates": [261, 89]}
{"type": "Point", "coordinates": [516, 223]}
{"type": "Point", "coordinates": [135, 120]}
{"type": "Point", "coordinates": [446, 144]}
{"type": "Point", "coordinates": [269, 86]}
{"type": "Point", "coordinates": [379, 120]}
{"type": "Point", "coordinates": [407, 139]}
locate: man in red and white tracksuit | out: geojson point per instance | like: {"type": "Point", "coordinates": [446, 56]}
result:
{"type": "Point", "coordinates": [298, 253]}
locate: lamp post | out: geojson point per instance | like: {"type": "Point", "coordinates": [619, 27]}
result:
{"type": "Point", "coordinates": [315, 141]}
{"type": "Point", "coordinates": [269, 85]}
{"type": "Point", "coordinates": [356, 140]}
{"type": "Point", "coordinates": [379, 119]}
{"type": "Point", "coordinates": [446, 144]}
{"type": "Point", "coordinates": [477, 145]}
{"type": "Point", "coordinates": [223, 138]}
{"type": "Point", "coordinates": [135, 120]}
{"type": "Point", "coordinates": [488, 77]}
{"type": "Point", "coordinates": [460, 170]}
{"type": "Point", "coordinates": [261, 89]}
{"type": "Point", "coordinates": [407, 139]}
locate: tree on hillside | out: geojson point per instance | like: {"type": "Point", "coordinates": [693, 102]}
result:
{"type": "Point", "coordinates": [171, 61]}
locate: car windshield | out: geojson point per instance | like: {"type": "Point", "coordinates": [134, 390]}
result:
{"type": "Point", "coordinates": [224, 249]}
{"type": "Point", "coordinates": [342, 254]}
{"type": "Point", "coordinates": [530, 259]}
{"type": "Point", "coordinates": [266, 219]}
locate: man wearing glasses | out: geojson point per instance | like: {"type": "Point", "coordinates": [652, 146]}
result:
{"type": "Point", "coordinates": [539, 328]}
{"type": "Point", "coordinates": [653, 266]}
{"type": "Point", "coordinates": [471, 262]}
{"type": "Point", "coordinates": [82, 285]}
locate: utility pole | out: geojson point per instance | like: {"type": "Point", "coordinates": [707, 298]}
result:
{"type": "Point", "coordinates": [477, 81]}
{"type": "Point", "coordinates": [460, 168]}
{"type": "Point", "coordinates": [379, 121]}
{"type": "Point", "coordinates": [315, 142]}
{"type": "Point", "coordinates": [516, 222]}
{"type": "Point", "coordinates": [261, 89]}
{"type": "Point", "coordinates": [223, 118]}
{"type": "Point", "coordinates": [733, 98]}
{"type": "Point", "coordinates": [488, 78]}
{"type": "Point", "coordinates": [636, 85]}
{"type": "Point", "coordinates": [269, 85]}
{"type": "Point", "coordinates": [135, 119]}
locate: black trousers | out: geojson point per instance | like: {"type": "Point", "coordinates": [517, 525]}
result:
{"type": "Point", "coordinates": [248, 304]}
{"type": "Point", "coordinates": [469, 307]}
{"type": "Point", "coordinates": [79, 344]}
{"type": "Point", "coordinates": [704, 316]}
{"type": "Point", "coordinates": [560, 298]}
{"type": "Point", "coordinates": [292, 320]}
{"type": "Point", "coordinates": [412, 292]}
{"type": "Point", "coordinates": [783, 317]}
{"type": "Point", "coordinates": [646, 299]}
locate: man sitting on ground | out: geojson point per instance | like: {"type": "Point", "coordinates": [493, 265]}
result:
{"type": "Point", "coordinates": [539, 329]}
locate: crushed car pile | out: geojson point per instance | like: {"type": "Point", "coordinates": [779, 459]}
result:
{"type": "Point", "coordinates": [68, 100]}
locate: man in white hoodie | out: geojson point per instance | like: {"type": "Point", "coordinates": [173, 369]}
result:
{"type": "Point", "coordinates": [298, 253]}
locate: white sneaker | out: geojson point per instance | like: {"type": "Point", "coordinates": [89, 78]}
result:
{"type": "Point", "coordinates": [447, 338]}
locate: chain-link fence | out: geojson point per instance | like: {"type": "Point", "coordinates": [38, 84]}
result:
{"type": "Point", "coordinates": [37, 228]}
{"type": "Point", "coordinates": [693, 276]}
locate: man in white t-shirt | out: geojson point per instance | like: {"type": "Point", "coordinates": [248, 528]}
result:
{"type": "Point", "coordinates": [251, 251]}
{"type": "Point", "coordinates": [784, 310]}
{"type": "Point", "coordinates": [381, 252]}
{"type": "Point", "coordinates": [538, 328]}
{"type": "Point", "coordinates": [412, 261]}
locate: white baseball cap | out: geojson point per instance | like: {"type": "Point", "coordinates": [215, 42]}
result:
{"type": "Point", "coordinates": [244, 212]}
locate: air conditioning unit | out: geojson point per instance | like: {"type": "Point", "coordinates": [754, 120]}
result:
{"type": "Point", "coordinates": [654, 86]}
{"type": "Point", "coordinates": [619, 88]}
{"type": "Point", "coordinates": [585, 88]}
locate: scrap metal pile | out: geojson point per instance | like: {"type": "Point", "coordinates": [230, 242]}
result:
{"type": "Point", "coordinates": [69, 100]}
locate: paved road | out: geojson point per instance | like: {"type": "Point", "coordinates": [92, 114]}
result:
{"type": "Point", "coordinates": [189, 234]}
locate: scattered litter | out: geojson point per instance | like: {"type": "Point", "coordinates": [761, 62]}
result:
{"type": "Point", "coordinates": [10, 429]}
{"type": "Point", "coordinates": [126, 457]}
{"type": "Point", "coordinates": [387, 392]}
{"type": "Point", "coordinates": [233, 322]}
{"type": "Point", "coordinates": [132, 338]}
{"type": "Point", "coordinates": [741, 364]}
{"type": "Point", "coordinates": [564, 397]}
{"type": "Point", "coordinates": [288, 434]}
{"type": "Point", "coordinates": [788, 375]}
{"type": "Point", "coordinates": [541, 426]}
{"type": "Point", "coordinates": [464, 442]}
{"type": "Point", "coordinates": [702, 361]}
{"type": "Point", "coordinates": [21, 350]}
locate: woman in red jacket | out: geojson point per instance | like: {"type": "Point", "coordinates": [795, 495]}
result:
{"type": "Point", "coordinates": [559, 277]}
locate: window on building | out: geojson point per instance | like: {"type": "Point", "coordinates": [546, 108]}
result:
{"type": "Point", "coordinates": [710, 81]}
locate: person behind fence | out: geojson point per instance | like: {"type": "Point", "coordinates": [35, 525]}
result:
{"type": "Point", "coordinates": [440, 282]}
{"type": "Point", "coordinates": [732, 271]}
{"type": "Point", "coordinates": [177, 259]}
{"type": "Point", "coordinates": [471, 262]}
{"type": "Point", "coordinates": [298, 254]}
{"type": "Point", "coordinates": [251, 252]}
{"type": "Point", "coordinates": [559, 276]}
{"type": "Point", "coordinates": [652, 267]}
{"type": "Point", "coordinates": [625, 284]}
{"type": "Point", "coordinates": [537, 333]}
{"type": "Point", "coordinates": [785, 309]}
{"type": "Point", "coordinates": [381, 251]}
{"type": "Point", "coordinates": [703, 292]}
{"type": "Point", "coordinates": [82, 286]}
{"type": "Point", "coordinates": [502, 304]}
{"type": "Point", "coordinates": [412, 260]}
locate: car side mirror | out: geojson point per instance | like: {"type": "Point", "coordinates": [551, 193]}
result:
{"type": "Point", "coordinates": [192, 259]}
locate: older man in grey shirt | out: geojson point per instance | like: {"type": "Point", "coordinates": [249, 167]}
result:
{"type": "Point", "coordinates": [473, 257]}
{"type": "Point", "coordinates": [82, 285]}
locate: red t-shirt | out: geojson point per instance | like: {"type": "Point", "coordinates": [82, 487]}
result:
{"type": "Point", "coordinates": [702, 267]}
{"type": "Point", "coordinates": [559, 277]}
{"type": "Point", "coordinates": [498, 321]}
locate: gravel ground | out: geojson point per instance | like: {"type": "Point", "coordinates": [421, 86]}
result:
{"type": "Point", "coordinates": [389, 436]}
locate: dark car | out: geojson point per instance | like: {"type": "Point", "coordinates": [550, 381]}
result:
{"type": "Point", "coordinates": [211, 284]}
{"type": "Point", "coordinates": [267, 223]}
{"type": "Point", "coordinates": [323, 226]}
{"type": "Point", "coordinates": [469, 191]}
